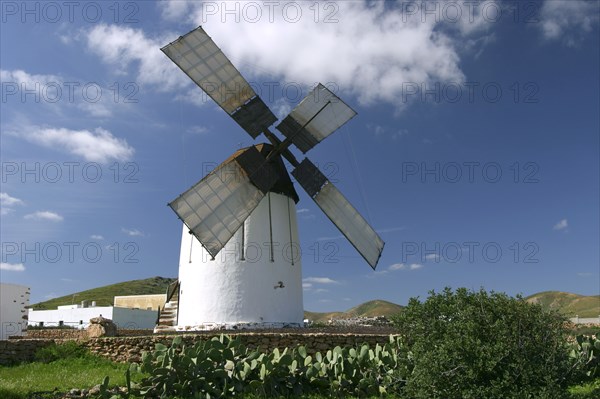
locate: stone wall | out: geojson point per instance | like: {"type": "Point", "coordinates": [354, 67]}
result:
{"type": "Point", "coordinates": [20, 350]}
{"type": "Point", "coordinates": [55, 333]}
{"type": "Point", "coordinates": [129, 349]}
{"type": "Point", "coordinates": [67, 333]}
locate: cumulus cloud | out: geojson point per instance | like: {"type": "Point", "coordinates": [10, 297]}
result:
{"type": "Point", "coordinates": [96, 146]}
{"type": "Point", "coordinates": [121, 46]}
{"type": "Point", "coordinates": [12, 267]}
{"type": "Point", "coordinates": [567, 20]}
{"type": "Point", "coordinates": [7, 202]}
{"type": "Point", "coordinates": [44, 215]}
{"type": "Point", "coordinates": [319, 280]}
{"type": "Point", "coordinates": [384, 46]}
{"type": "Point", "coordinates": [561, 225]}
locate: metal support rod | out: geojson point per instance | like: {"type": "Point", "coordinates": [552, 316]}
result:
{"type": "Point", "coordinates": [286, 143]}
{"type": "Point", "coordinates": [271, 228]}
{"type": "Point", "coordinates": [290, 228]}
{"type": "Point", "coordinates": [243, 239]}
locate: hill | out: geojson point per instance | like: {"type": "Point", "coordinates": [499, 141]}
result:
{"type": "Point", "coordinates": [104, 296]}
{"type": "Point", "coordinates": [567, 303]}
{"type": "Point", "coordinates": [374, 308]}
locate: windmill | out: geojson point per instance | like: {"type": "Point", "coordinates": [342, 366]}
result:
{"type": "Point", "coordinates": [240, 255]}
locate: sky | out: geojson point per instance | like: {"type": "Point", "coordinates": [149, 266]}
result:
{"type": "Point", "coordinates": [474, 154]}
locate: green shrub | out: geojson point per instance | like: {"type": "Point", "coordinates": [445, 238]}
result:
{"type": "Point", "coordinates": [467, 344]}
{"type": "Point", "coordinates": [66, 350]}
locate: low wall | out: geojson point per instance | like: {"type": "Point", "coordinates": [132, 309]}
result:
{"type": "Point", "coordinates": [129, 349]}
{"type": "Point", "coordinates": [67, 333]}
{"type": "Point", "coordinates": [20, 350]}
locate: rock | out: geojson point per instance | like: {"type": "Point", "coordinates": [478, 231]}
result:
{"type": "Point", "coordinates": [101, 327]}
{"type": "Point", "coordinates": [95, 390]}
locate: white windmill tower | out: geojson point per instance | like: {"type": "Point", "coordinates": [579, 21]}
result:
{"type": "Point", "coordinates": [240, 255]}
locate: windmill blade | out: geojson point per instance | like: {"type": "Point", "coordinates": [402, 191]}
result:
{"type": "Point", "coordinates": [318, 115]}
{"type": "Point", "coordinates": [337, 208]}
{"type": "Point", "coordinates": [203, 61]}
{"type": "Point", "coordinates": [217, 206]}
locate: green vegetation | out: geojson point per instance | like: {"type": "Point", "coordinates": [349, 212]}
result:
{"type": "Point", "coordinates": [224, 367]}
{"type": "Point", "coordinates": [104, 296]}
{"type": "Point", "coordinates": [58, 368]}
{"type": "Point", "coordinates": [568, 304]}
{"type": "Point", "coordinates": [467, 344]}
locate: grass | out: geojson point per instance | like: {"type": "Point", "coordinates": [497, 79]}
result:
{"type": "Point", "coordinates": [105, 296]}
{"type": "Point", "coordinates": [62, 375]}
{"type": "Point", "coordinates": [59, 368]}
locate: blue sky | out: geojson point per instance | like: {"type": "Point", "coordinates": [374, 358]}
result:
{"type": "Point", "coordinates": [475, 151]}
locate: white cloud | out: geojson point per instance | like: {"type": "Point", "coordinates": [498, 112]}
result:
{"type": "Point", "coordinates": [434, 257]}
{"type": "Point", "coordinates": [7, 202]}
{"type": "Point", "coordinates": [567, 20]}
{"type": "Point", "coordinates": [175, 10]}
{"type": "Point", "coordinates": [561, 225]}
{"type": "Point", "coordinates": [306, 286]}
{"type": "Point", "coordinates": [383, 47]}
{"type": "Point", "coordinates": [397, 266]}
{"type": "Point", "coordinates": [404, 266]}
{"type": "Point", "coordinates": [97, 146]}
{"type": "Point", "coordinates": [96, 237]}
{"type": "Point", "coordinates": [121, 46]}
{"type": "Point", "coordinates": [44, 215]}
{"type": "Point", "coordinates": [59, 92]}
{"type": "Point", "coordinates": [319, 280]}
{"type": "Point", "coordinates": [12, 267]}
{"type": "Point", "coordinates": [132, 232]}
{"type": "Point", "coordinates": [27, 80]}
{"type": "Point", "coordinates": [281, 108]}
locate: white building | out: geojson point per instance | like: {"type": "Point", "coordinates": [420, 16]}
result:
{"type": "Point", "coordinates": [78, 316]}
{"type": "Point", "coordinates": [13, 313]}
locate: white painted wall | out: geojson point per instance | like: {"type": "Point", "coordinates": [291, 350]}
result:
{"type": "Point", "coordinates": [135, 319]}
{"type": "Point", "coordinates": [230, 291]}
{"type": "Point", "coordinates": [80, 317]}
{"type": "Point", "coordinates": [13, 300]}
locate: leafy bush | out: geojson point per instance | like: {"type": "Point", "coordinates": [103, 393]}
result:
{"type": "Point", "coordinates": [467, 344]}
{"type": "Point", "coordinates": [66, 350]}
{"type": "Point", "coordinates": [224, 367]}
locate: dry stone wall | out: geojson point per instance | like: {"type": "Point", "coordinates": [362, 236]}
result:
{"type": "Point", "coordinates": [16, 351]}
{"type": "Point", "coordinates": [129, 349]}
